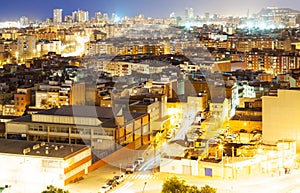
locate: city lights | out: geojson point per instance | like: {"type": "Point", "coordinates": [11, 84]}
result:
{"type": "Point", "coordinates": [209, 94]}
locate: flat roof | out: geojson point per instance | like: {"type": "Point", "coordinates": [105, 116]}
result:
{"type": "Point", "coordinates": [55, 150]}
{"type": "Point", "coordinates": [108, 121]}
{"type": "Point", "coordinates": [81, 111]}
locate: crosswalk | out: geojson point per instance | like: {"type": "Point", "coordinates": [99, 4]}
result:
{"type": "Point", "coordinates": [140, 176]}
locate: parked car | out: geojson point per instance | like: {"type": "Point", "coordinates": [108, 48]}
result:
{"type": "Point", "coordinates": [229, 138]}
{"type": "Point", "coordinates": [105, 188]}
{"type": "Point", "coordinates": [170, 133]}
{"type": "Point", "coordinates": [256, 138]}
{"type": "Point", "coordinates": [141, 159]}
{"type": "Point", "coordinates": [197, 131]}
{"type": "Point", "coordinates": [119, 178]}
{"type": "Point", "coordinates": [112, 182]}
{"type": "Point", "coordinates": [137, 163]}
{"type": "Point", "coordinates": [130, 168]}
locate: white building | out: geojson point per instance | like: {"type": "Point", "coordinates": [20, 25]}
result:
{"type": "Point", "coordinates": [45, 46]}
{"type": "Point", "coordinates": [57, 15]}
{"type": "Point", "coordinates": [31, 166]}
{"type": "Point", "coordinates": [80, 16]}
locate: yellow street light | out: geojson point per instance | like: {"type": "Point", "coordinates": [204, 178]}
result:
{"type": "Point", "coordinates": [221, 147]}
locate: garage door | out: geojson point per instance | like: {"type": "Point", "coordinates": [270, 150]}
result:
{"type": "Point", "coordinates": [208, 171]}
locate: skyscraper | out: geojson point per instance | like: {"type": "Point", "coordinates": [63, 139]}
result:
{"type": "Point", "coordinates": [24, 21]}
{"type": "Point", "coordinates": [80, 16]}
{"type": "Point", "coordinates": [189, 13]}
{"type": "Point", "coordinates": [98, 16]}
{"type": "Point", "coordinates": [57, 15]}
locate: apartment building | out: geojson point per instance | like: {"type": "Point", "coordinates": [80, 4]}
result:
{"type": "Point", "coordinates": [21, 99]}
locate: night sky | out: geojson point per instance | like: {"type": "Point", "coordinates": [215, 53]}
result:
{"type": "Point", "coordinates": [41, 9]}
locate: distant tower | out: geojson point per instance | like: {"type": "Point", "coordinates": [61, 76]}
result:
{"type": "Point", "coordinates": [113, 17]}
{"type": "Point", "coordinates": [105, 17]}
{"type": "Point", "coordinates": [207, 15]}
{"type": "Point", "coordinates": [24, 21]}
{"type": "Point", "coordinates": [172, 15]}
{"type": "Point", "coordinates": [248, 13]}
{"type": "Point", "coordinates": [57, 15]}
{"type": "Point", "coordinates": [189, 13]}
{"type": "Point", "coordinates": [80, 16]}
{"type": "Point", "coordinates": [98, 16]}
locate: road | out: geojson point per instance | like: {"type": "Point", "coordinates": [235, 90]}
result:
{"type": "Point", "coordinates": [145, 180]}
{"type": "Point", "coordinates": [135, 183]}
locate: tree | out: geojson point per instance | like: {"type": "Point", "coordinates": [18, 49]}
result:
{"type": "Point", "coordinates": [52, 189]}
{"type": "Point", "coordinates": [208, 189]}
{"type": "Point", "coordinates": [175, 185]}
{"type": "Point", "coordinates": [193, 189]}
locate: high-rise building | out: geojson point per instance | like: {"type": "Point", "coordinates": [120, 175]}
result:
{"type": "Point", "coordinates": [68, 19]}
{"type": "Point", "coordinates": [80, 16]}
{"type": "Point", "coordinates": [113, 17]}
{"type": "Point", "coordinates": [207, 15]}
{"type": "Point", "coordinates": [24, 21]}
{"type": "Point", "coordinates": [26, 46]}
{"type": "Point", "coordinates": [172, 15]}
{"type": "Point", "coordinates": [57, 15]}
{"type": "Point", "coordinates": [189, 13]}
{"type": "Point", "coordinates": [105, 17]}
{"type": "Point", "coordinates": [98, 16]}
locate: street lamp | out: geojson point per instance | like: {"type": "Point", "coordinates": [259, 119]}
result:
{"type": "Point", "coordinates": [155, 143]}
{"type": "Point", "coordinates": [221, 147]}
{"type": "Point", "coordinates": [154, 164]}
{"type": "Point", "coordinates": [144, 186]}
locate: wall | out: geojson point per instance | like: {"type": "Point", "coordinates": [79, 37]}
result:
{"type": "Point", "coordinates": [127, 151]}
{"type": "Point", "coordinates": [16, 169]}
{"type": "Point", "coordinates": [281, 117]}
{"type": "Point", "coordinates": [180, 166]}
{"type": "Point", "coordinates": [237, 125]}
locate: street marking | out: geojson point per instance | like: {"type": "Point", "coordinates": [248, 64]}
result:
{"type": "Point", "coordinates": [141, 176]}
{"type": "Point", "coordinates": [123, 188]}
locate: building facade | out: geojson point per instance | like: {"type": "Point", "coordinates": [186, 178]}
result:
{"type": "Point", "coordinates": [46, 164]}
{"type": "Point", "coordinates": [99, 127]}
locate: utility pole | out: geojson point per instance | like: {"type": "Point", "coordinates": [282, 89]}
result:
{"type": "Point", "coordinates": [232, 162]}
{"type": "Point", "coordinates": [154, 164]}
{"type": "Point", "coordinates": [144, 186]}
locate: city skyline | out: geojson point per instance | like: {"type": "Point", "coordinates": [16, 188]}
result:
{"type": "Point", "coordinates": [43, 9]}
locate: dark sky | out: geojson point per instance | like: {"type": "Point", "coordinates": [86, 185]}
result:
{"type": "Point", "coordinates": [41, 9]}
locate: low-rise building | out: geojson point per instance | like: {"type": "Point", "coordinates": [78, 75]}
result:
{"type": "Point", "coordinates": [32, 166]}
{"type": "Point", "coordinates": [98, 127]}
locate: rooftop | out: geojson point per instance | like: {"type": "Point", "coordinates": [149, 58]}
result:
{"type": "Point", "coordinates": [81, 111]}
{"type": "Point", "coordinates": [105, 114]}
{"type": "Point", "coordinates": [56, 150]}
